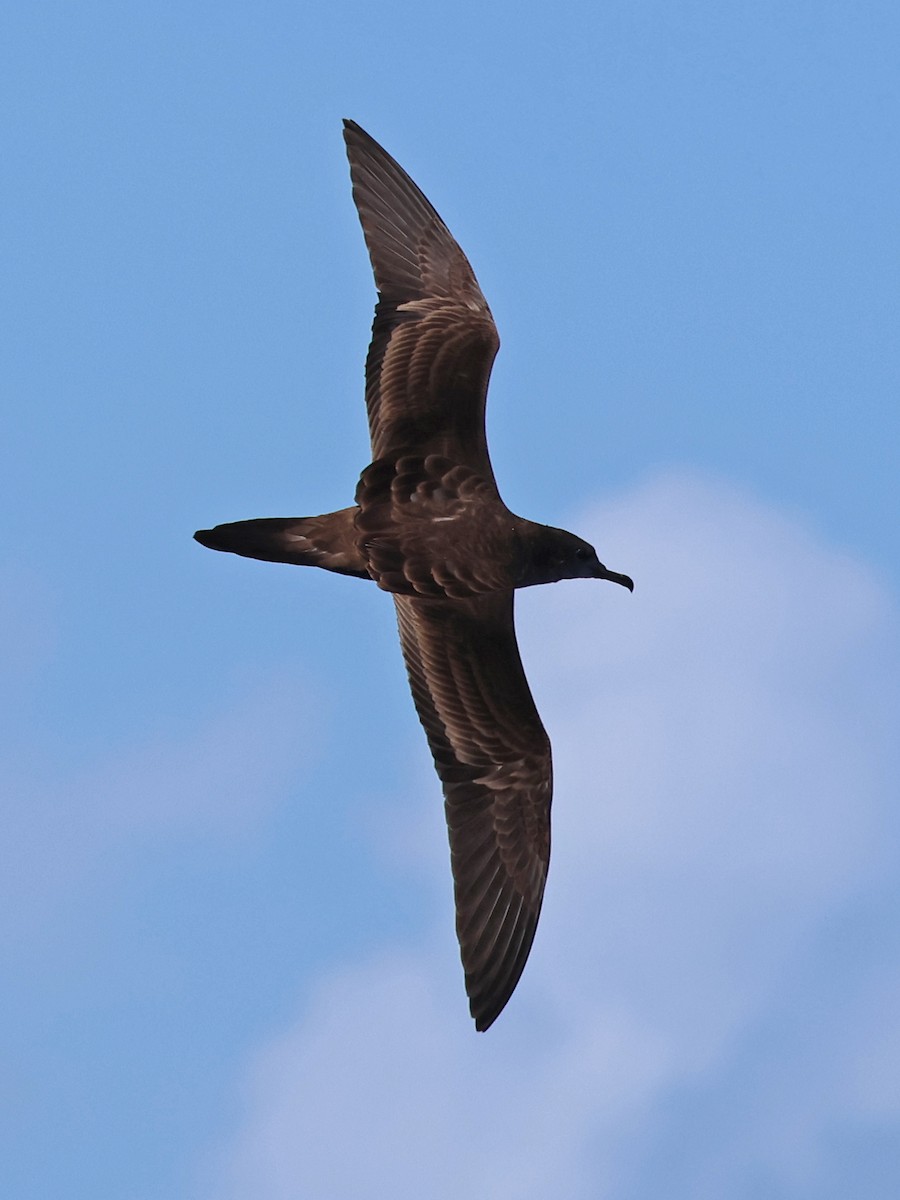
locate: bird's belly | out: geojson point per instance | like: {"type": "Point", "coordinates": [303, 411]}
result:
{"type": "Point", "coordinates": [454, 556]}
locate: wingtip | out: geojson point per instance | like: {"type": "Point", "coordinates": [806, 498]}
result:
{"type": "Point", "coordinates": [487, 1006]}
{"type": "Point", "coordinates": [352, 129]}
{"type": "Point", "coordinates": [486, 1011]}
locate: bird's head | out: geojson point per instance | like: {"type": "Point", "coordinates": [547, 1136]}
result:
{"type": "Point", "coordinates": [557, 554]}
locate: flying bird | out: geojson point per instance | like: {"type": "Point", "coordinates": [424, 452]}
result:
{"type": "Point", "coordinates": [429, 526]}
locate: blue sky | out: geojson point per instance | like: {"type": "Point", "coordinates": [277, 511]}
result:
{"type": "Point", "coordinates": [225, 907]}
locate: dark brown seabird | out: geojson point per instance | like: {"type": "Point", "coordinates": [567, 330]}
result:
{"type": "Point", "coordinates": [429, 526]}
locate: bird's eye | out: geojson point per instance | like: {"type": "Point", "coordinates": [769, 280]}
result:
{"type": "Point", "coordinates": [581, 553]}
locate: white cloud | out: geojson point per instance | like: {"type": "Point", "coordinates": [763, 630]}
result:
{"type": "Point", "coordinates": [725, 770]}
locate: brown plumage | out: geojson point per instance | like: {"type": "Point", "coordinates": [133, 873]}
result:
{"type": "Point", "coordinates": [429, 526]}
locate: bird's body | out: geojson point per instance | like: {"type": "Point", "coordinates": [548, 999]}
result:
{"type": "Point", "coordinates": [429, 526]}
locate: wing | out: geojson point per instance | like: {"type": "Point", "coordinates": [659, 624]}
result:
{"type": "Point", "coordinates": [433, 339]}
{"type": "Point", "coordinates": [493, 757]}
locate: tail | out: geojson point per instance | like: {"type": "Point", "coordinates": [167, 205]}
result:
{"type": "Point", "coordinates": [328, 541]}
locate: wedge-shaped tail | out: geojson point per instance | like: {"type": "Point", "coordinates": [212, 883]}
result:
{"type": "Point", "coordinates": [328, 541]}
